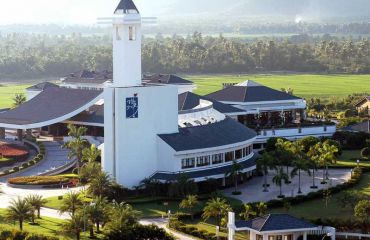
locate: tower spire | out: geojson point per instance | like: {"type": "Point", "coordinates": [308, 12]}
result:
{"type": "Point", "coordinates": [126, 6]}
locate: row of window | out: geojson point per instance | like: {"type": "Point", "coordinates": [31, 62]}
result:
{"type": "Point", "coordinates": [218, 158]}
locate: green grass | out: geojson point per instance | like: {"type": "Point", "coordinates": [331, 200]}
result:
{"type": "Point", "coordinates": [349, 159]}
{"type": "Point", "coordinates": [316, 208]}
{"type": "Point", "coordinates": [7, 93]}
{"type": "Point", "coordinates": [54, 202]}
{"type": "Point", "coordinates": [212, 229]}
{"type": "Point", "coordinates": [304, 85]}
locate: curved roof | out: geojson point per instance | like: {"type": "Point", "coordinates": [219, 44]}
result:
{"type": "Point", "coordinates": [218, 134]}
{"type": "Point", "coordinates": [275, 222]}
{"type": "Point", "coordinates": [250, 91]}
{"type": "Point", "coordinates": [42, 86]}
{"type": "Point", "coordinates": [166, 79]}
{"type": "Point", "coordinates": [51, 106]}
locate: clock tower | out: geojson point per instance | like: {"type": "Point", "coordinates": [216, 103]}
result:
{"type": "Point", "coordinates": [134, 114]}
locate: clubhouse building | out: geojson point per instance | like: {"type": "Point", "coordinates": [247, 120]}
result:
{"type": "Point", "coordinates": [154, 126]}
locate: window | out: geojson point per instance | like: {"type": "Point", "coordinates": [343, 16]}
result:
{"type": "Point", "coordinates": [131, 33]}
{"type": "Point", "coordinates": [229, 156]}
{"type": "Point", "coordinates": [238, 154]}
{"type": "Point", "coordinates": [217, 158]}
{"type": "Point", "coordinates": [187, 163]}
{"type": "Point", "coordinates": [250, 149]}
{"type": "Point", "coordinates": [203, 161]}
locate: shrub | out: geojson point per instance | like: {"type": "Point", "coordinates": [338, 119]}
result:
{"type": "Point", "coordinates": [39, 180]}
{"type": "Point", "coordinates": [24, 165]}
{"type": "Point", "coordinates": [15, 169]}
{"type": "Point", "coordinates": [6, 234]}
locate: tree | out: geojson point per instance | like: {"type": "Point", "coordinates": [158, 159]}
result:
{"type": "Point", "coordinates": [77, 144]}
{"type": "Point", "coordinates": [19, 210]}
{"type": "Point", "coordinates": [37, 202]}
{"type": "Point", "coordinates": [279, 178]}
{"type": "Point", "coordinates": [122, 216]}
{"type": "Point", "coordinates": [314, 157]}
{"type": "Point", "coordinates": [100, 185]}
{"type": "Point", "coordinates": [97, 212]}
{"type": "Point", "coordinates": [261, 208]}
{"type": "Point", "coordinates": [326, 194]}
{"type": "Point", "coordinates": [283, 155]}
{"type": "Point", "coordinates": [71, 203]}
{"type": "Point", "coordinates": [75, 225]}
{"type": "Point", "coordinates": [350, 198]}
{"type": "Point", "coordinates": [182, 187]}
{"type": "Point", "coordinates": [326, 156]}
{"type": "Point", "coordinates": [300, 164]}
{"type": "Point", "coordinates": [248, 212]}
{"type": "Point", "coordinates": [362, 212]}
{"type": "Point", "coordinates": [216, 208]}
{"type": "Point", "coordinates": [189, 203]}
{"type": "Point", "coordinates": [264, 163]}
{"type": "Point", "coordinates": [89, 171]}
{"type": "Point", "coordinates": [19, 99]}
{"type": "Point", "coordinates": [90, 154]}
{"type": "Point", "coordinates": [234, 172]}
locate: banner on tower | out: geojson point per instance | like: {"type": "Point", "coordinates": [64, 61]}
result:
{"type": "Point", "coordinates": [132, 107]}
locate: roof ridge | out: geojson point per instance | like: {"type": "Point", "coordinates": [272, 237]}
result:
{"type": "Point", "coordinates": [267, 218]}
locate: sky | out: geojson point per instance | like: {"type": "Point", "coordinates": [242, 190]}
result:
{"type": "Point", "coordinates": [63, 11]}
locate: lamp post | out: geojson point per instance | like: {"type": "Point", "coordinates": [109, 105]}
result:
{"type": "Point", "coordinates": [218, 232]}
{"type": "Point", "coordinates": [358, 162]}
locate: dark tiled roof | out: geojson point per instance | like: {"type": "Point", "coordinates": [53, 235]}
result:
{"type": "Point", "coordinates": [359, 127]}
{"type": "Point", "coordinates": [126, 5]}
{"type": "Point", "coordinates": [95, 114]}
{"type": "Point", "coordinates": [250, 92]}
{"type": "Point", "coordinates": [217, 134]}
{"type": "Point", "coordinates": [189, 100]}
{"type": "Point", "coordinates": [204, 173]}
{"type": "Point", "coordinates": [165, 79]}
{"type": "Point", "coordinates": [50, 104]}
{"type": "Point", "coordinates": [275, 222]}
{"type": "Point", "coordinates": [89, 77]}
{"type": "Point", "coordinates": [42, 86]}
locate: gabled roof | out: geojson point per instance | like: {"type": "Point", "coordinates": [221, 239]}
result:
{"type": "Point", "coordinates": [362, 101]}
{"type": "Point", "coordinates": [250, 91]}
{"type": "Point", "coordinates": [89, 77]}
{"type": "Point", "coordinates": [275, 222]}
{"type": "Point", "coordinates": [222, 133]}
{"type": "Point", "coordinates": [189, 100]}
{"type": "Point", "coordinates": [165, 79]}
{"type": "Point", "coordinates": [126, 6]}
{"type": "Point", "coordinates": [42, 86]}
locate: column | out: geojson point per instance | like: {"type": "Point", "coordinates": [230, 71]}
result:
{"type": "Point", "coordinates": [266, 237]}
{"type": "Point", "coordinates": [20, 134]}
{"type": "Point", "coordinates": [305, 236]}
{"type": "Point", "coordinates": [2, 133]}
{"type": "Point", "coordinates": [231, 226]}
{"type": "Point", "coordinates": [29, 133]}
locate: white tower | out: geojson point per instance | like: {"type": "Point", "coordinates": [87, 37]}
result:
{"type": "Point", "coordinates": [134, 114]}
{"type": "Point", "coordinates": [127, 45]}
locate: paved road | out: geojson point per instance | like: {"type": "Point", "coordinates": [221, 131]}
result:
{"type": "Point", "coordinates": [55, 157]}
{"type": "Point", "coordinates": [252, 190]}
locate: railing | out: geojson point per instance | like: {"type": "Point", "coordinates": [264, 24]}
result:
{"type": "Point", "coordinates": [58, 170]}
{"type": "Point", "coordinates": [358, 235]}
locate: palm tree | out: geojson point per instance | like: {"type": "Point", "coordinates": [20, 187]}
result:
{"type": "Point", "coordinates": [19, 210]}
{"type": "Point", "coordinates": [75, 225]}
{"type": "Point", "coordinates": [122, 216]}
{"type": "Point", "coordinates": [217, 208]}
{"type": "Point", "coordinates": [314, 156]}
{"type": "Point", "coordinates": [325, 154]}
{"type": "Point", "coordinates": [97, 212]}
{"type": "Point", "coordinates": [89, 170]}
{"type": "Point", "coordinates": [37, 202]}
{"type": "Point", "coordinates": [189, 203]}
{"type": "Point", "coordinates": [283, 155]}
{"type": "Point", "coordinates": [261, 208]}
{"type": "Point", "coordinates": [298, 166]}
{"type": "Point", "coordinates": [264, 163]}
{"type": "Point", "coordinates": [90, 154]}
{"type": "Point", "coordinates": [279, 178]}
{"type": "Point", "coordinates": [234, 172]}
{"type": "Point", "coordinates": [19, 99]}
{"type": "Point", "coordinates": [248, 212]}
{"type": "Point", "coordinates": [77, 144]}
{"type": "Point", "coordinates": [100, 185]}
{"type": "Point", "coordinates": [71, 203]}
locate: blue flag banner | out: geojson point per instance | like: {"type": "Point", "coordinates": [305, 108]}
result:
{"type": "Point", "coordinates": [132, 107]}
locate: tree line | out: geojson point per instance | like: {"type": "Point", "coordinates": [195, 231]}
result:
{"type": "Point", "coordinates": [41, 56]}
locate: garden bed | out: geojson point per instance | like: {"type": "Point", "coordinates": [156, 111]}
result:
{"type": "Point", "coordinates": [13, 152]}
{"type": "Point", "coordinates": [39, 180]}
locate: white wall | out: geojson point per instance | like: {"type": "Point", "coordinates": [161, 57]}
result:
{"type": "Point", "coordinates": [136, 139]}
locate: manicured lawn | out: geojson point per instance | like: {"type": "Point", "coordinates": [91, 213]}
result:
{"type": "Point", "coordinates": [316, 208]}
{"type": "Point", "coordinates": [54, 202]}
{"type": "Point", "coordinates": [349, 158]}
{"type": "Point", "coordinates": [7, 93]}
{"type": "Point", "coordinates": [304, 85]}
{"type": "Point", "coordinates": [212, 229]}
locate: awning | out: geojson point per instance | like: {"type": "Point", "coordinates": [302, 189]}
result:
{"type": "Point", "coordinates": [51, 106]}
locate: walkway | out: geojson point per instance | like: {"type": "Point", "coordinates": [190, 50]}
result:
{"type": "Point", "coordinates": [55, 157]}
{"type": "Point", "coordinates": [252, 191]}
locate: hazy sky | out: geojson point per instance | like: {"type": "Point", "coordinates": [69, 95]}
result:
{"type": "Point", "coordinates": [63, 11]}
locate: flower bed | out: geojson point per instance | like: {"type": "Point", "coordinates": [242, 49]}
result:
{"type": "Point", "coordinates": [13, 151]}
{"type": "Point", "coordinates": [39, 180]}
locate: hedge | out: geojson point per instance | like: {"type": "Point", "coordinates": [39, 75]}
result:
{"type": "Point", "coordinates": [39, 180]}
{"type": "Point", "coordinates": [15, 234]}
